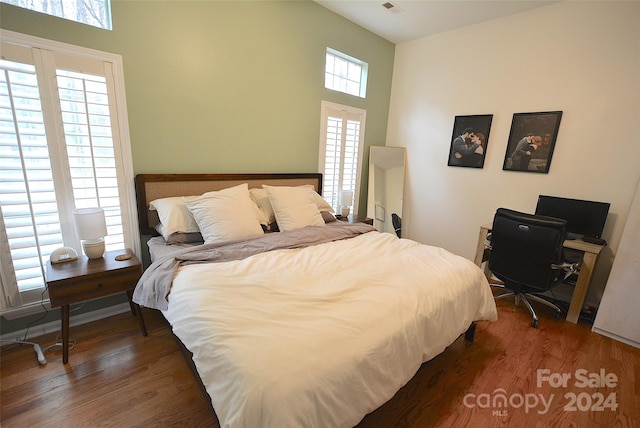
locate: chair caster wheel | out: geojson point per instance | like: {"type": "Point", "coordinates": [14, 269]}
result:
{"type": "Point", "coordinates": [534, 323]}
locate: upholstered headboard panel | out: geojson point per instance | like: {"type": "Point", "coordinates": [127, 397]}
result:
{"type": "Point", "coordinates": [153, 186]}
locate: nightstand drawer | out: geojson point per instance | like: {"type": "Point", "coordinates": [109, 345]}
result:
{"type": "Point", "coordinates": [81, 289]}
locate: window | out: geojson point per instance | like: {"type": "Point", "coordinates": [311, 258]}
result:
{"type": "Point", "coordinates": [64, 145]}
{"type": "Point", "coordinates": [345, 74]}
{"type": "Point", "coordinates": [91, 12]}
{"type": "Point", "coordinates": [341, 147]}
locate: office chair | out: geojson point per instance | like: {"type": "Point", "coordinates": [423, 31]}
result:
{"type": "Point", "coordinates": [397, 224]}
{"type": "Point", "coordinates": [526, 255]}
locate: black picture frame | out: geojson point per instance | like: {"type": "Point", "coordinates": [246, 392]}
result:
{"type": "Point", "coordinates": [532, 140]}
{"type": "Point", "coordinates": [463, 151]}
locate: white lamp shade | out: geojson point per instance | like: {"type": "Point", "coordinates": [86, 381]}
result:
{"type": "Point", "coordinates": [90, 223]}
{"type": "Point", "coordinates": [346, 198]}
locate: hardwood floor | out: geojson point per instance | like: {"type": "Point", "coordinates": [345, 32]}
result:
{"type": "Point", "coordinates": [117, 377]}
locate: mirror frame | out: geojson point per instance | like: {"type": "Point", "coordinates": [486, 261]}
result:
{"type": "Point", "coordinates": [387, 172]}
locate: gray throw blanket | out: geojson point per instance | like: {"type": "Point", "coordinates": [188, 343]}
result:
{"type": "Point", "coordinates": [154, 286]}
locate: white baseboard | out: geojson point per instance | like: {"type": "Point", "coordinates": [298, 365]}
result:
{"type": "Point", "coordinates": [26, 310]}
{"type": "Point", "coordinates": [616, 337]}
{"type": "Point", "coordinates": [74, 320]}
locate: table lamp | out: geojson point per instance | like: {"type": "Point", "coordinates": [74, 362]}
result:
{"type": "Point", "coordinates": [91, 228]}
{"type": "Point", "coordinates": [346, 200]}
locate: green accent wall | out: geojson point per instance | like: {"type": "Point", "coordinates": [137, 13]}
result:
{"type": "Point", "coordinates": [226, 86]}
{"type": "Point", "coordinates": [235, 86]}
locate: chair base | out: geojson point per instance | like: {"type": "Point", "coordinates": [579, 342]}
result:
{"type": "Point", "coordinates": [525, 299]}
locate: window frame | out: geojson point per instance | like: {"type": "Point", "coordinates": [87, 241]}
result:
{"type": "Point", "coordinates": [55, 138]}
{"type": "Point", "coordinates": [326, 111]}
{"type": "Point", "coordinates": [30, 5]}
{"type": "Point", "coordinates": [364, 72]}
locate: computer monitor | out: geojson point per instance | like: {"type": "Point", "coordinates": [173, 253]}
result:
{"type": "Point", "coordinates": [584, 218]}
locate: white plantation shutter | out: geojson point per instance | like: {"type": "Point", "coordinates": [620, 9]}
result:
{"type": "Point", "coordinates": [27, 194]}
{"type": "Point", "coordinates": [332, 161]}
{"type": "Point", "coordinates": [341, 147]}
{"type": "Point", "coordinates": [86, 121]}
{"type": "Point", "coordinates": [60, 149]}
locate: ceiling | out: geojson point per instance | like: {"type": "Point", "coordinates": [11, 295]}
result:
{"type": "Point", "coordinates": [413, 19]}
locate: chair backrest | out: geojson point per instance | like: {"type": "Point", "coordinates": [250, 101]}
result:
{"type": "Point", "coordinates": [397, 223]}
{"type": "Point", "coordinates": [523, 249]}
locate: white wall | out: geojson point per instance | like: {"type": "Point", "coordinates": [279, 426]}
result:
{"type": "Point", "coordinates": [618, 315]}
{"type": "Point", "coordinates": [579, 57]}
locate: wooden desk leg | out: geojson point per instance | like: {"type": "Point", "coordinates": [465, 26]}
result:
{"type": "Point", "coordinates": [136, 310]}
{"type": "Point", "coordinates": [65, 333]}
{"type": "Point", "coordinates": [482, 237]}
{"type": "Point", "coordinates": [582, 285]}
{"type": "Point", "coordinates": [480, 252]}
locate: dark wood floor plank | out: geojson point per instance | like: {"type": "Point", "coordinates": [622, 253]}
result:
{"type": "Point", "coordinates": [117, 377]}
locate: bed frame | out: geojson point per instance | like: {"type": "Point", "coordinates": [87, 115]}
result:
{"type": "Point", "coordinates": [153, 186]}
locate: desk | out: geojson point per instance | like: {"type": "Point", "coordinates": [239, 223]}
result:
{"type": "Point", "coordinates": [591, 253]}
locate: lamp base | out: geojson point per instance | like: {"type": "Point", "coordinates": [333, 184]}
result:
{"type": "Point", "coordinates": [93, 248]}
{"type": "Point", "coordinates": [344, 211]}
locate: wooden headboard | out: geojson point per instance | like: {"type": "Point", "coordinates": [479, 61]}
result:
{"type": "Point", "coordinates": [154, 186]}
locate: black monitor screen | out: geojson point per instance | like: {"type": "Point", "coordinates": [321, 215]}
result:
{"type": "Point", "coordinates": [584, 218]}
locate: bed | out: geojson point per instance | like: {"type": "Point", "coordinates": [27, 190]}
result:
{"type": "Point", "coordinates": [306, 322]}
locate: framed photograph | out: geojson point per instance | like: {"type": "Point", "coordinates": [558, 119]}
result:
{"type": "Point", "coordinates": [531, 141]}
{"type": "Point", "coordinates": [470, 140]}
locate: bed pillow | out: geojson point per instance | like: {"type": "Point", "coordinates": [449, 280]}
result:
{"type": "Point", "coordinates": [179, 237]}
{"type": "Point", "coordinates": [294, 207]}
{"type": "Point", "coordinates": [267, 216]}
{"type": "Point", "coordinates": [323, 205]}
{"type": "Point", "coordinates": [174, 216]}
{"type": "Point", "coordinates": [185, 238]}
{"type": "Point", "coordinates": [226, 214]}
{"type": "Point", "coordinates": [261, 199]}
{"type": "Point", "coordinates": [327, 216]}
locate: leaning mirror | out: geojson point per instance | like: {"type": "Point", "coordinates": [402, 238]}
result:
{"type": "Point", "coordinates": [386, 188]}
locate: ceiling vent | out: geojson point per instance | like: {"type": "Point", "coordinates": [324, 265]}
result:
{"type": "Point", "coordinates": [391, 7]}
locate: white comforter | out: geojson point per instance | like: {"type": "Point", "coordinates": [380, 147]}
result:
{"type": "Point", "coordinates": [321, 336]}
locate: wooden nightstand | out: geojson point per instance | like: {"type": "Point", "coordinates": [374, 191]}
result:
{"type": "Point", "coordinates": [84, 279]}
{"type": "Point", "coordinates": [357, 219]}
